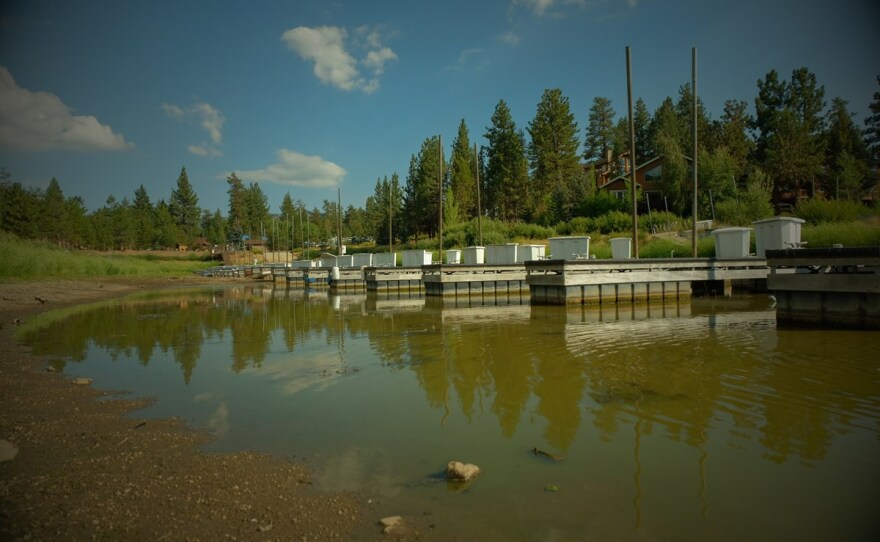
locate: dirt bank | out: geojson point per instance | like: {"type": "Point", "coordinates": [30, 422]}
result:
{"type": "Point", "coordinates": [85, 470]}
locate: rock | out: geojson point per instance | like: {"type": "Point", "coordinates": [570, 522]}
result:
{"type": "Point", "coordinates": [390, 523]}
{"type": "Point", "coordinates": [81, 381]}
{"type": "Point", "coordinates": [8, 450]}
{"type": "Point", "coordinates": [456, 470]}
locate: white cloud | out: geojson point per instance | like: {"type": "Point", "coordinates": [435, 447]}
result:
{"type": "Point", "coordinates": [41, 121]}
{"type": "Point", "coordinates": [541, 8]}
{"type": "Point", "coordinates": [510, 38]}
{"type": "Point", "coordinates": [204, 150]}
{"type": "Point", "coordinates": [208, 117]}
{"type": "Point", "coordinates": [296, 169]}
{"type": "Point", "coordinates": [376, 60]}
{"type": "Point", "coordinates": [326, 46]}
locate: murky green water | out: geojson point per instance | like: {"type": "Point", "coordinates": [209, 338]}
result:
{"type": "Point", "coordinates": [696, 421]}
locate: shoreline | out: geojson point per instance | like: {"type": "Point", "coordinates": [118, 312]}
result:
{"type": "Point", "coordinates": [88, 468]}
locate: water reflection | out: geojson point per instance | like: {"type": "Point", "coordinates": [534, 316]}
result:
{"type": "Point", "coordinates": [654, 399]}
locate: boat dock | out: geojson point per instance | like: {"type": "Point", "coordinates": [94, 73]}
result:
{"type": "Point", "coordinates": [393, 279]}
{"type": "Point", "coordinates": [478, 279]}
{"type": "Point", "coordinates": [588, 282]}
{"type": "Point", "coordinates": [828, 286]}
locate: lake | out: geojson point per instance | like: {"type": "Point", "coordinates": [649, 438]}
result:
{"type": "Point", "coordinates": [696, 420]}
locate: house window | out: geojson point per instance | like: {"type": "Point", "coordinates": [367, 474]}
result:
{"type": "Point", "coordinates": [654, 174]}
{"type": "Point", "coordinates": [619, 194]}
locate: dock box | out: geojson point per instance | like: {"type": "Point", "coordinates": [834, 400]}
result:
{"type": "Point", "coordinates": [732, 242]}
{"type": "Point", "coordinates": [570, 248]}
{"type": "Point", "coordinates": [501, 254]}
{"type": "Point", "coordinates": [777, 233]}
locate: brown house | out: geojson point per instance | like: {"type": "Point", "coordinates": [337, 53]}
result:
{"type": "Point", "coordinates": [648, 176]}
{"type": "Point", "coordinates": [252, 244]}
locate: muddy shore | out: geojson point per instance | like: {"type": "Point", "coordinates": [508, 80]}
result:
{"type": "Point", "coordinates": [88, 468]}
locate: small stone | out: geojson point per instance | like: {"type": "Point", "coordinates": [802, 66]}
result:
{"type": "Point", "coordinates": [8, 450]}
{"type": "Point", "coordinates": [81, 381]}
{"type": "Point", "coordinates": [551, 488]}
{"type": "Point", "coordinates": [391, 523]}
{"type": "Point", "coordinates": [456, 470]}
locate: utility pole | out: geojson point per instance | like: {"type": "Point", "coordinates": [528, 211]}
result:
{"type": "Point", "coordinates": [339, 221]}
{"type": "Point", "coordinates": [390, 211]}
{"type": "Point", "coordinates": [632, 155]}
{"type": "Point", "coordinates": [440, 195]}
{"type": "Point", "coordinates": [479, 206]}
{"type": "Point", "coordinates": [694, 204]}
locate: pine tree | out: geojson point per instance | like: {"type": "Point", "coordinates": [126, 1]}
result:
{"type": "Point", "coordinates": [552, 152]}
{"type": "Point", "coordinates": [846, 158]}
{"type": "Point", "coordinates": [237, 215]}
{"type": "Point", "coordinates": [184, 207]}
{"type": "Point", "coordinates": [733, 134]}
{"type": "Point", "coordinates": [52, 214]}
{"type": "Point", "coordinates": [872, 128]}
{"type": "Point", "coordinates": [642, 120]}
{"type": "Point", "coordinates": [461, 173]}
{"type": "Point", "coordinates": [770, 101]}
{"type": "Point", "coordinates": [600, 130]}
{"type": "Point", "coordinates": [143, 216]}
{"type": "Point", "coordinates": [256, 206]}
{"type": "Point", "coordinates": [506, 175]}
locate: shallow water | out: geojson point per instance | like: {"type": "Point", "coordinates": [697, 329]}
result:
{"type": "Point", "coordinates": [699, 420]}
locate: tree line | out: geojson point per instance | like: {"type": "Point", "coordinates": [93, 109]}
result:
{"type": "Point", "coordinates": [794, 145]}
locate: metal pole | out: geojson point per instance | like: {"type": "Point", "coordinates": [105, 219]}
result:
{"type": "Point", "coordinates": [440, 195]}
{"type": "Point", "coordinates": [390, 211]}
{"type": "Point", "coordinates": [479, 206]}
{"type": "Point", "coordinates": [694, 205]}
{"type": "Point", "coordinates": [339, 221]}
{"type": "Point", "coordinates": [632, 155]}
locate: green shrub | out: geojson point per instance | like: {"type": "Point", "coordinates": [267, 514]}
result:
{"type": "Point", "coordinates": [817, 211]}
{"type": "Point", "coordinates": [661, 221]}
{"type": "Point", "coordinates": [852, 234]}
{"type": "Point", "coordinates": [601, 203]}
{"type": "Point", "coordinates": [524, 230]}
{"type": "Point", "coordinates": [613, 221]}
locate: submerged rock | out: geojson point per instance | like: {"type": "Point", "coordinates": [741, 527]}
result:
{"type": "Point", "coordinates": [8, 450]}
{"type": "Point", "coordinates": [456, 470]}
{"type": "Point", "coordinates": [81, 381]}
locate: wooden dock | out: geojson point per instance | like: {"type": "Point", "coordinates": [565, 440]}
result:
{"type": "Point", "coordinates": [393, 279]}
{"type": "Point", "coordinates": [588, 282]}
{"type": "Point", "coordinates": [348, 279]}
{"type": "Point", "coordinates": [479, 279]}
{"type": "Point", "coordinates": [826, 286]}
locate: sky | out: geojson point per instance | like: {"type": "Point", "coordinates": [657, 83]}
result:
{"type": "Point", "coordinates": [307, 96]}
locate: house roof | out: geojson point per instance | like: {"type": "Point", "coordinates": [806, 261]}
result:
{"type": "Point", "coordinates": [643, 165]}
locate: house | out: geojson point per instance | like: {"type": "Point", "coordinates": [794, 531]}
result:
{"type": "Point", "coordinates": [649, 176]}
{"type": "Point", "coordinates": [609, 167]}
{"type": "Point", "coordinates": [255, 245]}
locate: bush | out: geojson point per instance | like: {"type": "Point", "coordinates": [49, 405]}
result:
{"type": "Point", "coordinates": [529, 231]}
{"type": "Point", "coordinates": [601, 203]}
{"type": "Point", "coordinates": [579, 225]}
{"type": "Point", "coordinates": [662, 221]}
{"type": "Point", "coordinates": [853, 234]}
{"type": "Point", "coordinates": [817, 211]}
{"type": "Point", "coordinates": [613, 221]}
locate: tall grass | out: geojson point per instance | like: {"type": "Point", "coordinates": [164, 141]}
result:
{"type": "Point", "coordinates": [848, 234]}
{"type": "Point", "coordinates": [33, 260]}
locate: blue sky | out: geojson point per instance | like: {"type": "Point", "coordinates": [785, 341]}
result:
{"type": "Point", "coordinates": [305, 96]}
